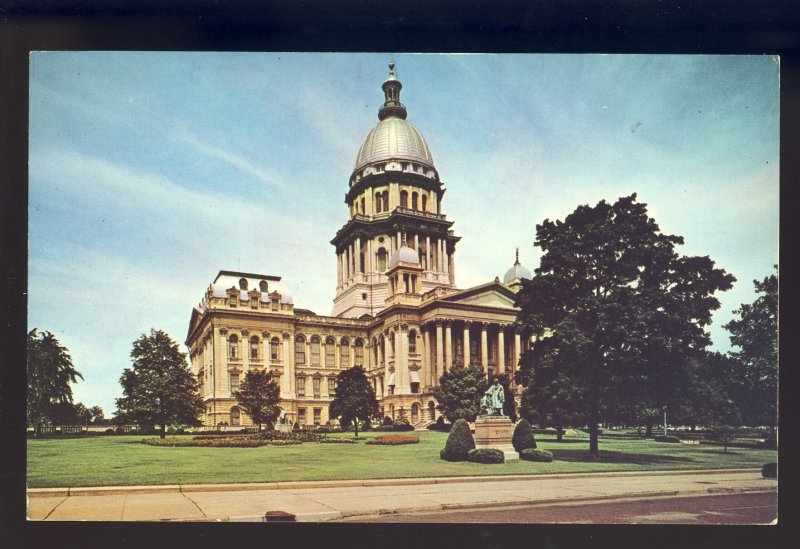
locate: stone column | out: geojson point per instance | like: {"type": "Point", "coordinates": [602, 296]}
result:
{"type": "Point", "coordinates": [439, 351]}
{"type": "Point", "coordinates": [448, 346]}
{"type": "Point", "coordinates": [501, 350]}
{"type": "Point", "coordinates": [401, 362]}
{"type": "Point", "coordinates": [440, 259]}
{"type": "Point", "coordinates": [517, 351]}
{"type": "Point", "coordinates": [428, 253]}
{"type": "Point", "coordinates": [221, 373]}
{"type": "Point", "coordinates": [399, 239]}
{"type": "Point", "coordinates": [358, 254]}
{"type": "Point", "coordinates": [287, 380]}
{"type": "Point", "coordinates": [484, 348]}
{"type": "Point", "coordinates": [466, 344]}
{"type": "Point", "coordinates": [416, 242]}
{"type": "Point", "coordinates": [426, 359]}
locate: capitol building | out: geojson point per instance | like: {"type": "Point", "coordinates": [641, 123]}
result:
{"type": "Point", "coordinates": [397, 309]}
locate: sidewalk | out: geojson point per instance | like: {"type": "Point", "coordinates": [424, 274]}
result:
{"type": "Point", "coordinates": [326, 501]}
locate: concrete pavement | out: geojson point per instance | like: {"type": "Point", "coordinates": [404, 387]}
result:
{"type": "Point", "coordinates": [334, 500]}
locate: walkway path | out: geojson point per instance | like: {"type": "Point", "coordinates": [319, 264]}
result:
{"type": "Point", "coordinates": [325, 501]}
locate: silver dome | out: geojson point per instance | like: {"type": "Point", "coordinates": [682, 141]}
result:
{"type": "Point", "coordinates": [517, 271]}
{"type": "Point", "coordinates": [404, 254]}
{"type": "Point", "coordinates": [393, 139]}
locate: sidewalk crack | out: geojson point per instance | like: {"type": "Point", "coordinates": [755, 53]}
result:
{"type": "Point", "coordinates": [47, 516]}
{"type": "Point", "coordinates": [195, 504]}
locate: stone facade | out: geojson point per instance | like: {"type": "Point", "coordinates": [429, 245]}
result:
{"type": "Point", "coordinates": [397, 311]}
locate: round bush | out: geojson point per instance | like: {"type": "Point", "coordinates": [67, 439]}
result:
{"type": "Point", "coordinates": [666, 438]}
{"type": "Point", "coordinates": [769, 470]}
{"type": "Point", "coordinates": [486, 455]}
{"type": "Point", "coordinates": [523, 436]}
{"type": "Point", "coordinates": [459, 442]}
{"type": "Point", "coordinates": [532, 454]}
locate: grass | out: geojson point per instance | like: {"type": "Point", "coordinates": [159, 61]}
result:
{"type": "Point", "coordinates": [124, 460]}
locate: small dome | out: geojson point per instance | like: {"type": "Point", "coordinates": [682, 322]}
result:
{"type": "Point", "coordinates": [517, 271]}
{"type": "Point", "coordinates": [286, 299]}
{"type": "Point", "coordinates": [404, 254]}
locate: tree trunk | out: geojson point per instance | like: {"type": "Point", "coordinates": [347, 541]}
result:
{"type": "Point", "coordinates": [648, 432]}
{"type": "Point", "coordinates": [559, 433]}
{"type": "Point", "coordinates": [594, 446]}
{"type": "Point", "coordinates": [163, 431]}
{"type": "Point", "coordinates": [355, 426]}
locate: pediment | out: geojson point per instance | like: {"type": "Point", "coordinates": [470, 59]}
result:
{"type": "Point", "coordinates": [489, 295]}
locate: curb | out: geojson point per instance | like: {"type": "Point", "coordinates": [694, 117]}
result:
{"type": "Point", "coordinates": [295, 485]}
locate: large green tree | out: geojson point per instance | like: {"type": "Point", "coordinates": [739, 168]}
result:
{"type": "Point", "coordinates": [617, 311]}
{"type": "Point", "coordinates": [355, 399]}
{"type": "Point", "coordinates": [755, 334]}
{"type": "Point", "coordinates": [459, 392]}
{"type": "Point", "coordinates": [50, 372]}
{"type": "Point", "coordinates": [259, 396]}
{"type": "Point", "coordinates": [158, 389]}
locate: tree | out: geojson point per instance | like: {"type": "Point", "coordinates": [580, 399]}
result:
{"type": "Point", "coordinates": [50, 372]}
{"type": "Point", "coordinates": [755, 333]}
{"type": "Point", "coordinates": [159, 389]}
{"type": "Point", "coordinates": [98, 417]}
{"type": "Point", "coordinates": [459, 392]}
{"type": "Point", "coordinates": [549, 399]}
{"type": "Point", "coordinates": [259, 396]}
{"type": "Point", "coordinates": [617, 311]}
{"type": "Point", "coordinates": [355, 399]}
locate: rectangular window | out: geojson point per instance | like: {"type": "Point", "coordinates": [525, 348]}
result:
{"type": "Point", "coordinates": [344, 356]}
{"type": "Point", "coordinates": [317, 416]}
{"type": "Point", "coordinates": [234, 382]}
{"type": "Point", "coordinates": [254, 349]}
{"type": "Point", "coordinates": [273, 349]}
{"type": "Point", "coordinates": [360, 354]}
{"type": "Point", "coordinates": [331, 387]}
{"type": "Point", "coordinates": [315, 352]}
{"type": "Point", "coordinates": [301, 386]}
{"type": "Point", "coordinates": [301, 416]}
{"type": "Point", "coordinates": [315, 382]}
{"type": "Point", "coordinates": [330, 354]}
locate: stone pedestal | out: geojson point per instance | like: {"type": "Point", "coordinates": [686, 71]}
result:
{"type": "Point", "coordinates": [495, 432]}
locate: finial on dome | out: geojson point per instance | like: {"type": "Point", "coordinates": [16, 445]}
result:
{"type": "Point", "coordinates": [391, 71]}
{"type": "Point", "coordinates": [517, 260]}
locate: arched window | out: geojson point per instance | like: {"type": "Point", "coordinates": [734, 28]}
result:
{"type": "Point", "coordinates": [414, 199]}
{"type": "Point", "coordinates": [274, 348]}
{"type": "Point", "coordinates": [243, 283]}
{"type": "Point", "coordinates": [315, 351]}
{"type": "Point", "coordinates": [414, 413]}
{"type": "Point", "coordinates": [424, 203]}
{"type": "Point", "coordinates": [344, 353]}
{"type": "Point", "coordinates": [378, 203]}
{"type": "Point", "coordinates": [382, 260]}
{"type": "Point", "coordinates": [431, 411]}
{"type": "Point", "coordinates": [361, 206]}
{"type": "Point", "coordinates": [385, 201]}
{"type": "Point", "coordinates": [412, 341]}
{"type": "Point", "coordinates": [299, 350]}
{"type": "Point", "coordinates": [330, 353]}
{"type": "Point", "coordinates": [254, 347]}
{"type": "Point", "coordinates": [233, 346]}
{"type": "Point", "coordinates": [391, 342]}
{"type": "Point", "coordinates": [236, 416]}
{"type": "Point", "coordinates": [404, 199]}
{"type": "Point", "coordinates": [359, 352]}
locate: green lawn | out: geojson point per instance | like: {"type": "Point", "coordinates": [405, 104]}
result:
{"type": "Point", "coordinates": [124, 460]}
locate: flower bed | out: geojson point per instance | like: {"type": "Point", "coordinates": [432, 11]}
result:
{"type": "Point", "coordinates": [393, 440]}
{"type": "Point", "coordinates": [216, 442]}
{"type": "Point", "coordinates": [338, 441]}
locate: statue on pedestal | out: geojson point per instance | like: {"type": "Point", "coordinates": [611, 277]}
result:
{"type": "Point", "coordinates": [493, 400]}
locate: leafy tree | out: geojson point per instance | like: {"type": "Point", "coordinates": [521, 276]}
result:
{"type": "Point", "coordinates": [459, 392]}
{"type": "Point", "coordinates": [616, 309]}
{"type": "Point", "coordinates": [755, 333]}
{"type": "Point", "coordinates": [159, 389]}
{"type": "Point", "coordinates": [355, 399]}
{"type": "Point", "coordinates": [259, 396]}
{"type": "Point", "coordinates": [50, 372]}
{"type": "Point", "coordinates": [550, 399]}
{"type": "Point", "coordinates": [98, 417]}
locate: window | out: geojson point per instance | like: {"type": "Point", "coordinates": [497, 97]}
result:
{"type": "Point", "coordinates": [301, 386]}
{"type": "Point", "coordinates": [414, 200]}
{"type": "Point", "coordinates": [236, 416]}
{"type": "Point", "coordinates": [315, 351]}
{"type": "Point", "coordinates": [414, 413]}
{"type": "Point", "coordinates": [404, 199]}
{"type": "Point", "coordinates": [317, 416]}
{"type": "Point", "coordinates": [330, 353]}
{"type": "Point", "coordinates": [233, 347]}
{"type": "Point", "coordinates": [359, 352]}
{"type": "Point", "coordinates": [331, 387]}
{"type": "Point", "coordinates": [382, 260]}
{"type": "Point", "coordinates": [415, 388]}
{"type": "Point", "coordinates": [315, 382]}
{"type": "Point", "coordinates": [274, 346]}
{"type": "Point", "coordinates": [378, 203]}
{"type": "Point", "coordinates": [412, 341]}
{"type": "Point", "coordinates": [301, 416]}
{"type": "Point", "coordinates": [299, 350]}
{"type": "Point", "coordinates": [254, 347]}
{"type": "Point", "coordinates": [385, 201]}
{"type": "Point", "coordinates": [361, 206]}
{"type": "Point", "coordinates": [234, 382]}
{"type": "Point", "coordinates": [473, 350]}
{"type": "Point", "coordinates": [424, 203]}
{"type": "Point", "coordinates": [344, 353]}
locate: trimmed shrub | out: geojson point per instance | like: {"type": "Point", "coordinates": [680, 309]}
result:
{"type": "Point", "coordinates": [666, 438]}
{"type": "Point", "coordinates": [532, 454]}
{"type": "Point", "coordinates": [523, 436]}
{"type": "Point", "coordinates": [393, 440]}
{"type": "Point", "coordinates": [486, 455]}
{"type": "Point", "coordinates": [440, 425]}
{"type": "Point", "coordinates": [771, 442]}
{"type": "Point", "coordinates": [459, 442]}
{"type": "Point", "coordinates": [403, 427]}
{"type": "Point", "coordinates": [387, 421]}
{"type": "Point", "coordinates": [769, 470]}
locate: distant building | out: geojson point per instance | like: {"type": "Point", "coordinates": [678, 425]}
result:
{"type": "Point", "coordinates": [397, 311]}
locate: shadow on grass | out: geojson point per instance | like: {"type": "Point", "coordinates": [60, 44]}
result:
{"type": "Point", "coordinates": [610, 456]}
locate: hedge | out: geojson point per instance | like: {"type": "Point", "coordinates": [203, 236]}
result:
{"type": "Point", "coordinates": [393, 440]}
{"type": "Point", "coordinates": [666, 438]}
{"type": "Point", "coordinates": [459, 442]}
{"type": "Point", "coordinates": [533, 454]}
{"type": "Point", "coordinates": [486, 455]}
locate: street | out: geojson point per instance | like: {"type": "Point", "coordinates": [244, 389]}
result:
{"type": "Point", "coordinates": [741, 508]}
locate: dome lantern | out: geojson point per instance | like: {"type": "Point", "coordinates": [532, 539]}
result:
{"type": "Point", "coordinates": [392, 105]}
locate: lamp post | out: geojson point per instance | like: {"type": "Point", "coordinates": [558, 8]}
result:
{"type": "Point", "coordinates": [665, 420]}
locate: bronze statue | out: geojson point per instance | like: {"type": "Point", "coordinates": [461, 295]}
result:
{"type": "Point", "coordinates": [493, 399]}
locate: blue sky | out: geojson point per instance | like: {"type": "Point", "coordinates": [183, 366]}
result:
{"type": "Point", "coordinates": [150, 172]}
